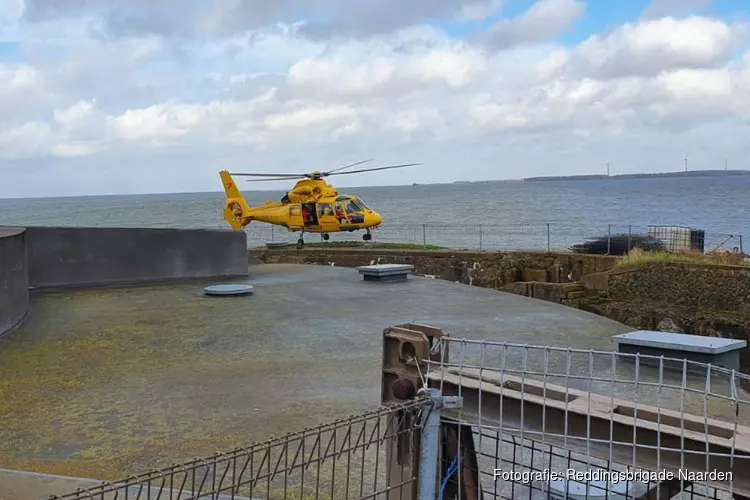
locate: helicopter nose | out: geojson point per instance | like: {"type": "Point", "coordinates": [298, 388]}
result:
{"type": "Point", "coordinates": [375, 219]}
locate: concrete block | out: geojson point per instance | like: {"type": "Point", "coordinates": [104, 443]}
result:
{"type": "Point", "coordinates": [386, 272]}
{"type": "Point", "coordinates": [679, 346]}
{"type": "Point", "coordinates": [597, 281]}
{"type": "Point", "coordinates": [573, 287]}
{"type": "Point", "coordinates": [534, 275]}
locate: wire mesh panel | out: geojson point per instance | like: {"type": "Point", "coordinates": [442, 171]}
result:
{"type": "Point", "coordinates": [342, 460]}
{"type": "Point", "coordinates": [615, 239]}
{"type": "Point", "coordinates": [544, 422]}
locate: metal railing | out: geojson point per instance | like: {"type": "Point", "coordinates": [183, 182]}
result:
{"type": "Point", "coordinates": [614, 239]}
{"type": "Point", "coordinates": [345, 459]}
{"type": "Point", "coordinates": [542, 448]}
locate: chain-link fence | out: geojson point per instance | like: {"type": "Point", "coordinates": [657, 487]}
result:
{"type": "Point", "coordinates": [613, 239]}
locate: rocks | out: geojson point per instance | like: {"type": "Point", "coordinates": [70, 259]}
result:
{"type": "Point", "coordinates": [667, 325]}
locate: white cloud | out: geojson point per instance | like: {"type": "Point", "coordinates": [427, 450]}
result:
{"type": "Point", "coordinates": [479, 10]}
{"type": "Point", "coordinates": [143, 107]}
{"type": "Point", "coordinates": [542, 22]}
{"type": "Point", "coordinates": [652, 46]}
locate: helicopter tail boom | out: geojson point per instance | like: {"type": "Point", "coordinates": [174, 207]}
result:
{"type": "Point", "coordinates": [236, 209]}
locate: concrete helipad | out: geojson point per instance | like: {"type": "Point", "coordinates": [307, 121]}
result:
{"type": "Point", "coordinates": [104, 383]}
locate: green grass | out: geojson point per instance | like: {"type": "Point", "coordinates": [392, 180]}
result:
{"type": "Point", "coordinates": [409, 246]}
{"type": "Point", "coordinates": [360, 244]}
{"type": "Point", "coordinates": [637, 258]}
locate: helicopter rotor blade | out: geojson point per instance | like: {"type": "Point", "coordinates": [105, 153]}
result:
{"type": "Point", "coordinates": [270, 175]}
{"type": "Point", "coordinates": [374, 169]}
{"type": "Point", "coordinates": [346, 166]}
{"type": "Point", "coordinates": [275, 179]}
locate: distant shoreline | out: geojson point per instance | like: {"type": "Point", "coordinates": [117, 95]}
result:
{"type": "Point", "coordinates": [661, 175]}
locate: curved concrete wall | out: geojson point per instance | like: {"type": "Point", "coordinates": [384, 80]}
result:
{"type": "Point", "coordinates": [84, 256]}
{"type": "Point", "coordinates": [14, 281]}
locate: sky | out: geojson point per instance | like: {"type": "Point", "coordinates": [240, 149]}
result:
{"type": "Point", "coordinates": [142, 96]}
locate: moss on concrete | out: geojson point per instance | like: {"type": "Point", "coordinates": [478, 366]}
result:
{"type": "Point", "coordinates": [95, 383]}
{"type": "Point", "coordinates": [105, 383]}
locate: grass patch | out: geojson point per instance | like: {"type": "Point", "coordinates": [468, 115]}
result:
{"type": "Point", "coordinates": [638, 258]}
{"type": "Point", "coordinates": [408, 246]}
{"type": "Point", "coordinates": [360, 244]}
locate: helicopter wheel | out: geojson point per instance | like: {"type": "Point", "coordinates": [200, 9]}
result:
{"type": "Point", "coordinates": [367, 236]}
{"type": "Point", "coordinates": [300, 243]}
{"type": "Point", "coordinates": [326, 236]}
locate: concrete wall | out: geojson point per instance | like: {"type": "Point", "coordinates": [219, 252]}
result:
{"type": "Point", "coordinates": [691, 285]}
{"type": "Point", "coordinates": [14, 283]}
{"type": "Point", "coordinates": [75, 256]}
{"type": "Point", "coordinates": [484, 269]}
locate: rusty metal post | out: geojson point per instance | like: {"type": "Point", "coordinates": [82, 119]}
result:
{"type": "Point", "coordinates": [406, 350]}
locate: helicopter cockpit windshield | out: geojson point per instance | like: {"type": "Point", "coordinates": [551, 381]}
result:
{"type": "Point", "coordinates": [361, 203]}
{"type": "Point", "coordinates": [352, 206]}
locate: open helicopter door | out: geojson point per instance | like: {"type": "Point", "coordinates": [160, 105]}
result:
{"type": "Point", "coordinates": [327, 218]}
{"type": "Point", "coordinates": [309, 214]}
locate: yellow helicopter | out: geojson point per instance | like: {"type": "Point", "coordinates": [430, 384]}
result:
{"type": "Point", "coordinates": [312, 206]}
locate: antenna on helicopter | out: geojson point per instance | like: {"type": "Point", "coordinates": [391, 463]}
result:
{"type": "Point", "coordinates": [319, 175]}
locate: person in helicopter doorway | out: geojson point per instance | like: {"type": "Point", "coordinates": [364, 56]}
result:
{"type": "Point", "coordinates": [305, 215]}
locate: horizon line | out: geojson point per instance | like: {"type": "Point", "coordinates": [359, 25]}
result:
{"type": "Point", "coordinates": [572, 177]}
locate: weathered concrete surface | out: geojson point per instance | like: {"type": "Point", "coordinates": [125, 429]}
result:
{"type": "Point", "coordinates": [484, 269]}
{"type": "Point", "coordinates": [77, 256]}
{"type": "Point", "coordinates": [102, 383]}
{"type": "Point", "coordinates": [20, 485]}
{"type": "Point", "coordinates": [14, 281]}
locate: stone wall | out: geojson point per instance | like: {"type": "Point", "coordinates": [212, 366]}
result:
{"type": "Point", "coordinates": [706, 300]}
{"type": "Point", "coordinates": [484, 269]}
{"type": "Point", "coordinates": [569, 294]}
{"type": "Point", "coordinates": [688, 285]}
{"type": "Point", "coordinates": [14, 282]}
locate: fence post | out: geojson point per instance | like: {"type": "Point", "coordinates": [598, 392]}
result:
{"type": "Point", "coordinates": [548, 242]}
{"type": "Point", "coordinates": [429, 445]}
{"type": "Point", "coordinates": [742, 252]}
{"type": "Point", "coordinates": [424, 235]}
{"type": "Point", "coordinates": [630, 232]}
{"type": "Point", "coordinates": [609, 239]}
{"type": "Point", "coordinates": [271, 232]}
{"type": "Point", "coordinates": [480, 237]}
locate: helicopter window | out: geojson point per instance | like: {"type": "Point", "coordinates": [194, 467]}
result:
{"type": "Point", "coordinates": [294, 210]}
{"type": "Point", "coordinates": [352, 207]}
{"type": "Point", "coordinates": [325, 209]}
{"type": "Point", "coordinates": [362, 203]}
